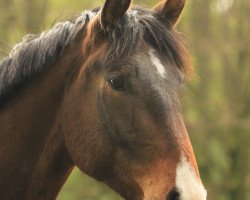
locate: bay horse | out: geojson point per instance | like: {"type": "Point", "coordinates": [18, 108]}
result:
{"type": "Point", "coordinates": [100, 92]}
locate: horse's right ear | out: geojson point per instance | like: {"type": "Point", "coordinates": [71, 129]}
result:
{"type": "Point", "coordinates": [112, 11]}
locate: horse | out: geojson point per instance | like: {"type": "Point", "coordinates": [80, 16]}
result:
{"type": "Point", "coordinates": [99, 92]}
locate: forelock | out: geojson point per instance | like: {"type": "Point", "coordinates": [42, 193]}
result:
{"type": "Point", "coordinates": [140, 25]}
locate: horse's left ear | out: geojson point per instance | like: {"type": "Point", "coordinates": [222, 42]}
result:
{"type": "Point", "coordinates": [170, 10]}
{"type": "Point", "coordinates": [113, 10]}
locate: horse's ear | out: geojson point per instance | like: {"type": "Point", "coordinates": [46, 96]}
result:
{"type": "Point", "coordinates": [113, 10]}
{"type": "Point", "coordinates": [170, 10]}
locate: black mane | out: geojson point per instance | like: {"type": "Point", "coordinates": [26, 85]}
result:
{"type": "Point", "coordinates": [35, 53]}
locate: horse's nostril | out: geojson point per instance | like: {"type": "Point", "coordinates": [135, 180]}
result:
{"type": "Point", "coordinates": [174, 194]}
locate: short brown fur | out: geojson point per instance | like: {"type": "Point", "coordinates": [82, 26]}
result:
{"type": "Point", "coordinates": [69, 114]}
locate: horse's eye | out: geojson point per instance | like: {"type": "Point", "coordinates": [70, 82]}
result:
{"type": "Point", "coordinates": [117, 82]}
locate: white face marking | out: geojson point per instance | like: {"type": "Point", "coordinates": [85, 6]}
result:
{"type": "Point", "coordinates": [157, 63]}
{"type": "Point", "coordinates": [187, 182]}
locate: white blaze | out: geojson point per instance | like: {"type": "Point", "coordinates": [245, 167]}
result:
{"type": "Point", "coordinates": [187, 182]}
{"type": "Point", "coordinates": [157, 63]}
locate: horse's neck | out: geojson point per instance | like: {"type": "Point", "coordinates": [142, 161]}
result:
{"type": "Point", "coordinates": [51, 170]}
{"type": "Point", "coordinates": [33, 161]}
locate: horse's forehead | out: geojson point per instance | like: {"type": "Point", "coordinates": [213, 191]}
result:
{"type": "Point", "coordinates": [152, 65]}
{"type": "Point", "coordinates": [157, 69]}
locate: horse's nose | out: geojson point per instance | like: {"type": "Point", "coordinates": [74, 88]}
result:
{"type": "Point", "coordinates": [179, 194]}
{"type": "Point", "coordinates": [174, 194]}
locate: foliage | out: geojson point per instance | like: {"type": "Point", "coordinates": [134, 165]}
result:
{"type": "Point", "coordinates": [216, 104]}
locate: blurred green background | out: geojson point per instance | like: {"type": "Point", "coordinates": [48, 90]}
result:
{"type": "Point", "coordinates": [216, 105]}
